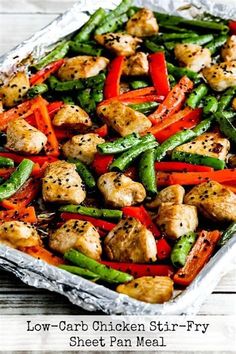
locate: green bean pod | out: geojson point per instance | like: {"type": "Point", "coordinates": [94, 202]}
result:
{"type": "Point", "coordinates": [37, 90]}
{"type": "Point", "coordinates": [6, 162]}
{"type": "Point", "coordinates": [94, 20]}
{"type": "Point", "coordinates": [210, 105]}
{"type": "Point", "coordinates": [181, 249]}
{"type": "Point", "coordinates": [112, 25]}
{"type": "Point", "coordinates": [197, 159]}
{"type": "Point", "coordinates": [226, 126]}
{"type": "Point", "coordinates": [180, 72]}
{"type": "Point", "coordinates": [119, 145]}
{"type": "Point", "coordinates": [84, 173]}
{"type": "Point", "coordinates": [85, 48]}
{"type": "Point", "coordinates": [85, 273]}
{"type": "Point", "coordinates": [228, 234]}
{"type": "Point", "coordinates": [137, 84]}
{"type": "Point", "coordinates": [200, 40]}
{"type": "Point", "coordinates": [216, 43]}
{"type": "Point", "coordinates": [147, 173]}
{"type": "Point", "coordinates": [226, 98]}
{"type": "Point", "coordinates": [58, 53]}
{"type": "Point", "coordinates": [145, 108]}
{"type": "Point", "coordinates": [153, 47]}
{"type": "Point", "coordinates": [196, 96]}
{"type": "Point", "coordinates": [203, 126]}
{"type": "Point", "coordinates": [94, 212]}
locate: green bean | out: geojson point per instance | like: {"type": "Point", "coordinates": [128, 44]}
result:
{"type": "Point", "coordinates": [122, 8]}
{"type": "Point", "coordinates": [112, 25]}
{"type": "Point", "coordinates": [177, 36]}
{"type": "Point", "coordinates": [226, 126]}
{"type": "Point", "coordinates": [147, 172]}
{"type": "Point", "coordinates": [94, 20]}
{"type": "Point", "coordinates": [85, 48]}
{"type": "Point", "coordinates": [68, 100]}
{"type": "Point", "coordinates": [58, 53]}
{"type": "Point", "coordinates": [216, 43]}
{"type": "Point", "coordinates": [84, 173]}
{"type": "Point", "coordinates": [136, 84]}
{"type": "Point", "coordinates": [145, 108]}
{"type": "Point", "coordinates": [196, 95]}
{"type": "Point", "coordinates": [17, 179]}
{"type": "Point", "coordinates": [97, 95]}
{"type": "Point", "coordinates": [69, 85]}
{"type": "Point", "coordinates": [226, 98]}
{"type": "Point", "coordinates": [119, 145]}
{"type": "Point", "coordinates": [166, 26]}
{"type": "Point", "coordinates": [85, 273]}
{"type": "Point", "coordinates": [6, 162]}
{"type": "Point", "coordinates": [125, 159]}
{"type": "Point", "coordinates": [229, 114]}
{"type": "Point", "coordinates": [209, 25]}
{"type": "Point", "coordinates": [94, 212]}
{"type": "Point", "coordinates": [181, 249]}
{"type": "Point", "coordinates": [166, 18]}
{"type": "Point", "coordinates": [228, 234]}
{"type": "Point", "coordinates": [105, 273]}
{"type": "Point", "coordinates": [198, 159]}
{"type": "Point", "coordinates": [200, 40]}
{"type": "Point", "coordinates": [203, 126]}
{"type": "Point", "coordinates": [210, 105]}
{"type": "Point", "coordinates": [93, 81]}
{"type": "Point", "coordinates": [180, 72]}
{"type": "Point", "coordinates": [86, 102]}
{"type": "Point", "coordinates": [153, 47]}
{"type": "Point", "coordinates": [174, 141]}
{"type": "Point", "coordinates": [37, 90]}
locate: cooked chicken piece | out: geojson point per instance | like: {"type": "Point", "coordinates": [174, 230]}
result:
{"type": "Point", "coordinates": [82, 147]}
{"type": "Point", "coordinates": [232, 161]}
{"type": "Point", "coordinates": [221, 76]}
{"type": "Point", "coordinates": [72, 117]}
{"type": "Point", "coordinates": [142, 24]}
{"type": "Point", "coordinates": [62, 184]}
{"type": "Point", "coordinates": [213, 200]}
{"type": "Point", "coordinates": [136, 64]}
{"type": "Point", "coordinates": [154, 290]}
{"type": "Point", "coordinates": [15, 90]}
{"type": "Point", "coordinates": [120, 190]}
{"type": "Point", "coordinates": [82, 67]}
{"type": "Point", "coordinates": [1, 106]}
{"type": "Point", "coordinates": [234, 104]}
{"type": "Point", "coordinates": [81, 235]}
{"type": "Point", "coordinates": [192, 56]}
{"type": "Point", "coordinates": [23, 137]}
{"type": "Point", "coordinates": [177, 220]}
{"type": "Point", "coordinates": [18, 234]}
{"type": "Point", "coordinates": [123, 119]}
{"type": "Point", "coordinates": [118, 43]}
{"type": "Point", "coordinates": [207, 144]}
{"type": "Point", "coordinates": [170, 195]}
{"type": "Point", "coordinates": [228, 51]}
{"type": "Point", "coordinates": [130, 241]}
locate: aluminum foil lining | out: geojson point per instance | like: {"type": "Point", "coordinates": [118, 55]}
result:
{"type": "Point", "coordinates": [79, 291]}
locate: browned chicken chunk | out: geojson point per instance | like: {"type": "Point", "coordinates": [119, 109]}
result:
{"type": "Point", "coordinates": [221, 76]}
{"type": "Point", "coordinates": [123, 119]}
{"type": "Point", "coordinates": [62, 184]}
{"type": "Point", "coordinates": [228, 51]}
{"type": "Point", "coordinates": [192, 56]}
{"type": "Point", "coordinates": [142, 24]}
{"type": "Point", "coordinates": [154, 290]}
{"type": "Point", "coordinates": [118, 43]}
{"type": "Point", "coordinates": [82, 147]}
{"type": "Point", "coordinates": [72, 116]}
{"type": "Point", "coordinates": [81, 67]}
{"type": "Point", "coordinates": [213, 200]}
{"type": "Point", "coordinates": [130, 241]}
{"type": "Point", "coordinates": [136, 64]}
{"type": "Point", "coordinates": [15, 90]}
{"type": "Point", "coordinates": [170, 195]}
{"type": "Point", "coordinates": [120, 190]}
{"type": "Point", "coordinates": [177, 220]}
{"type": "Point", "coordinates": [18, 234]}
{"type": "Point", "coordinates": [23, 137]}
{"type": "Point", "coordinates": [81, 235]}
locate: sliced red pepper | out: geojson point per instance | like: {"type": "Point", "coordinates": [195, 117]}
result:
{"type": "Point", "coordinates": [142, 215]}
{"type": "Point", "coordinates": [198, 257]}
{"type": "Point", "coordinates": [163, 249]}
{"type": "Point", "coordinates": [159, 73]}
{"type": "Point", "coordinates": [142, 99]}
{"type": "Point", "coordinates": [104, 225]}
{"type": "Point", "coordinates": [141, 270]}
{"type": "Point", "coordinates": [173, 100]}
{"type": "Point", "coordinates": [131, 172]}
{"type": "Point", "coordinates": [25, 214]}
{"type": "Point", "coordinates": [23, 196]}
{"type": "Point", "coordinates": [102, 131]}
{"type": "Point", "coordinates": [6, 172]}
{"type": "Point", "coordinates": [44, 125]}
{"type": "Point", "coordinates": [53, 107]}
{"type": "Point", "coordinates": [181, 166]}
{"type": "Point", "coordinates": [62, 134]}
{"type": "Point", "coordinates": [40, 252]}
{"type": "Point", "coordinates": [191, 178]}
{"type": "Point", "coordinates": [186, 113]}
{"type": "Point", "coordinates": [232, 27]}
{"type": "Point", "coordinates": [43, 74]}
{"type": "Point", "coordinates": [112, 83]}
{"type": "Point", "coordinates": [101, 163]}
{"type": "Point", "coordinates": [36, 159]}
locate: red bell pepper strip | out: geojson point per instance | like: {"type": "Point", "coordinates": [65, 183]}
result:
{"type": "Point", "coordinates": [232, 27]}
{"type": "Point", "coordinates": [191, 178]}
{"type": "Point", "coordinates": [181, 166]}
{"type": "Point", "coordinates": [62, 133]}
{"type": "Point", "coordinates": [163, 249]}
{"type": "Point", "coordinates": [142, 215]}
{"type": "Point", "coordinates": [40, 252]}
{"type": "Point", "coordinates": [44, 125]}
{"type": "Point", "coordinates": [104, 225]}
{"type": "Point", "coordinates": [186, 113]}
{"type": "Point", "coordinates": [112, 83]}
{"type": "Point", "coordinates": [6, 172]}
{"type": "Point", "coordinates": [101, 163]}
{"type": "Point", "coordinates": [43, 74]}
{"type": "Point", "coordinates": [141, 270]}
{"type": "Point", "coordinates": [131, 172]}
{"type": "Point", "coordinates": [198, 257]}
{"type": "Point", "coordinates": [53, 107]}
{"type": "Point", "coordinates": [36, 159]}
{"type": "Point", "coordinates": [25, 214]}
{"type": "Point", "coordinates": [142, 99]}
{"type": "Point", "coordinates": [23, 196]}
{"type": "Point", "coordinates": [102, 131]}
{"type": "Point", "coordinates": [173, 100]}
{"type": "Point", "coordinates": [159, 73]}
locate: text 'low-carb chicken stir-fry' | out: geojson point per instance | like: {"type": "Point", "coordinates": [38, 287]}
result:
{"type": "Point", "coordinates": [118, 159]}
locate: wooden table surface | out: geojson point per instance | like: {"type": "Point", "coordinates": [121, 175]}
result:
{"type": "Point", "coordinates": [19, 19]}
